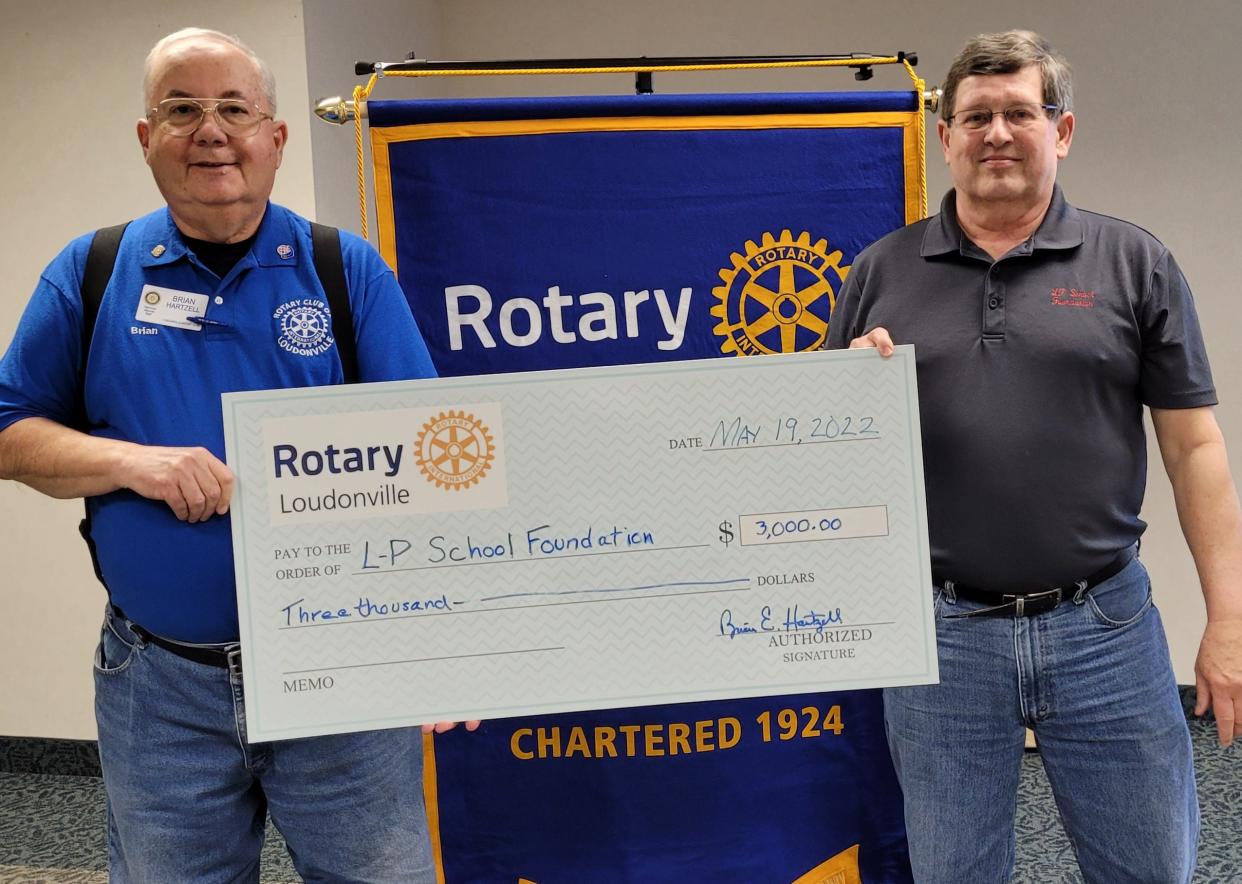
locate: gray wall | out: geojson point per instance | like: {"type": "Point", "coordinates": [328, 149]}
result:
{"type": "Point", "coordinates": [377, 30]}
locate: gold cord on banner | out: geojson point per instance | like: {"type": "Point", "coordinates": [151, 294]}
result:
{"type": "Point", "coordinates": [361, 94]}
{"type": "Point", "coordinates": [919, 87]}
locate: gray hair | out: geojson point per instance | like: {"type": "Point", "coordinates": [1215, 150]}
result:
{"type": "Point", "coordinates": [266, 80]}
{"type": "Point", "coordinates": [1007, 53]}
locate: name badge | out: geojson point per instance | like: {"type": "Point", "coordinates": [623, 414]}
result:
{"type": "Point", "coordinates": [171, 307]}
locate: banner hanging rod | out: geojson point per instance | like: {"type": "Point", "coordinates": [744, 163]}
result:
{"type": "Point", "coordinates": [862, 62]}
{"type": "Point", "coordinates": [341, 110]}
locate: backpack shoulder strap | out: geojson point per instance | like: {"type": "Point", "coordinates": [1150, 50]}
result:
{"type": "Point", "coordinates": [331, 269]}
{"type": "Point", "coordinates": [100, 261]}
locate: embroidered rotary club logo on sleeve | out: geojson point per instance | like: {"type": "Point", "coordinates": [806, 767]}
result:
{"type": "Point", "coordinates": [304, 327]}
{"type": "Point", "coordinates": [778, 296]}
{"type": "Point", "coordinates": [455, 450]}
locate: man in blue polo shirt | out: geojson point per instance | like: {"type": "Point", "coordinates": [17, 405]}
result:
{"type": "Point", "coordinates": [217, 292]}
{"type": "Point", "coordinates": [1041, 331]}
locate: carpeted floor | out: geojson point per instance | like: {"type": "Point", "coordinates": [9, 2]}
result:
{"type": "Point", "coordinates": [52, 825]}
{"type": "Point", "coordinates": [1044, 852]}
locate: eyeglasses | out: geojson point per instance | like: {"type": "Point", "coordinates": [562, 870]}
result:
{"type": "Point", "coordinates": [182, 116]}
{"type": "Point", "coordinates": [1018, 116]}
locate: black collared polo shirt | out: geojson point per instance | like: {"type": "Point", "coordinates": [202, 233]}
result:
{"type": "Point", "coordinates": [1032, 372]}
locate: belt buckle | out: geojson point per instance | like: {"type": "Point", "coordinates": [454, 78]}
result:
{"type": "Point", "coordinates": [1039, 598]}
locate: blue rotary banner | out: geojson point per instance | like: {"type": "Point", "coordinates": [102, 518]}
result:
{"type": "Point", "coordinates": [565, 232]}
{"type": "Point", "coordinates": [778, 790]}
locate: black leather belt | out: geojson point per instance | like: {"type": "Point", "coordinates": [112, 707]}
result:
{"type": "Point", "coordinates": [227, 657]}
{"type": "Point", "coordinates": [1028, 604]}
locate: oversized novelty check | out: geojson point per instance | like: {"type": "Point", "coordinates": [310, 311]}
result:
{"type": "Point", "coordinates": [481, 547]}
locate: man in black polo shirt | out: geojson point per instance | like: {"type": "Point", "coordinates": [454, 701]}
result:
{"type": "Point", "coordinates": [1041, 332]}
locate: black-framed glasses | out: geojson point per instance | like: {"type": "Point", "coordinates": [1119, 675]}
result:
{"type": "Point", "coordinates": [1017, 116]}
{"type": "Point", "coordinates": [182, 116]}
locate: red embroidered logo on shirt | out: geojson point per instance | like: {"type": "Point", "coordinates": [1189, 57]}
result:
{"type": "Point", "coordinates": [1073, 298]}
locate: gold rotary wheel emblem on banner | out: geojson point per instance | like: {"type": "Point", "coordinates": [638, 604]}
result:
{"type": "Point", "coordinates": [841, 869]}
{"type": "Point", "coordinates": [454, 450]}
{"type": "Point", "coordinates": [778, 296]}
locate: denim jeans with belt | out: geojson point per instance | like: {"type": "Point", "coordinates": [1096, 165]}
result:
{"type": "Point", "coordinates": [1093, 679]}
{"type": "Point", "coordinates": [188, 796]}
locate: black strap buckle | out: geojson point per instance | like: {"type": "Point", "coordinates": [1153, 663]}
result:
{"type": "Point", "coordinates": [1035, 603]}
{"type": "Point", "coordinates": [1018, 605]}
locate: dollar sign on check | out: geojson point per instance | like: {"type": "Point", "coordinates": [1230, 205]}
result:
{"type": "Point", "coordinates": [726, 533]}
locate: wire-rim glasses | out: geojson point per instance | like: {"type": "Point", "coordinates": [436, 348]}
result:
{"type": "Point", "coordinates": [182, 116]}
{"type": "Point", "coordinates": [1017, 116]}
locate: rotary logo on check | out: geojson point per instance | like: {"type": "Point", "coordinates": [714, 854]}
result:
{"type": "Point", "coordinates": [455, 450]}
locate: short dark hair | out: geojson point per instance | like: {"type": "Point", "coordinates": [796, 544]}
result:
{"type": "Point", "coordinates": [1007, 53]}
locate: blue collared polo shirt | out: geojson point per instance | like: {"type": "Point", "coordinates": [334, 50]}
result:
{"type": "Point", "coordinates": [267, 325]}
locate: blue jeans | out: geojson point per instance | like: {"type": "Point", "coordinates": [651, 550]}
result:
{"type": "Point", "coordinates": [1092, 678]}
{"type": "Point", "coordinates": [188, 796]}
